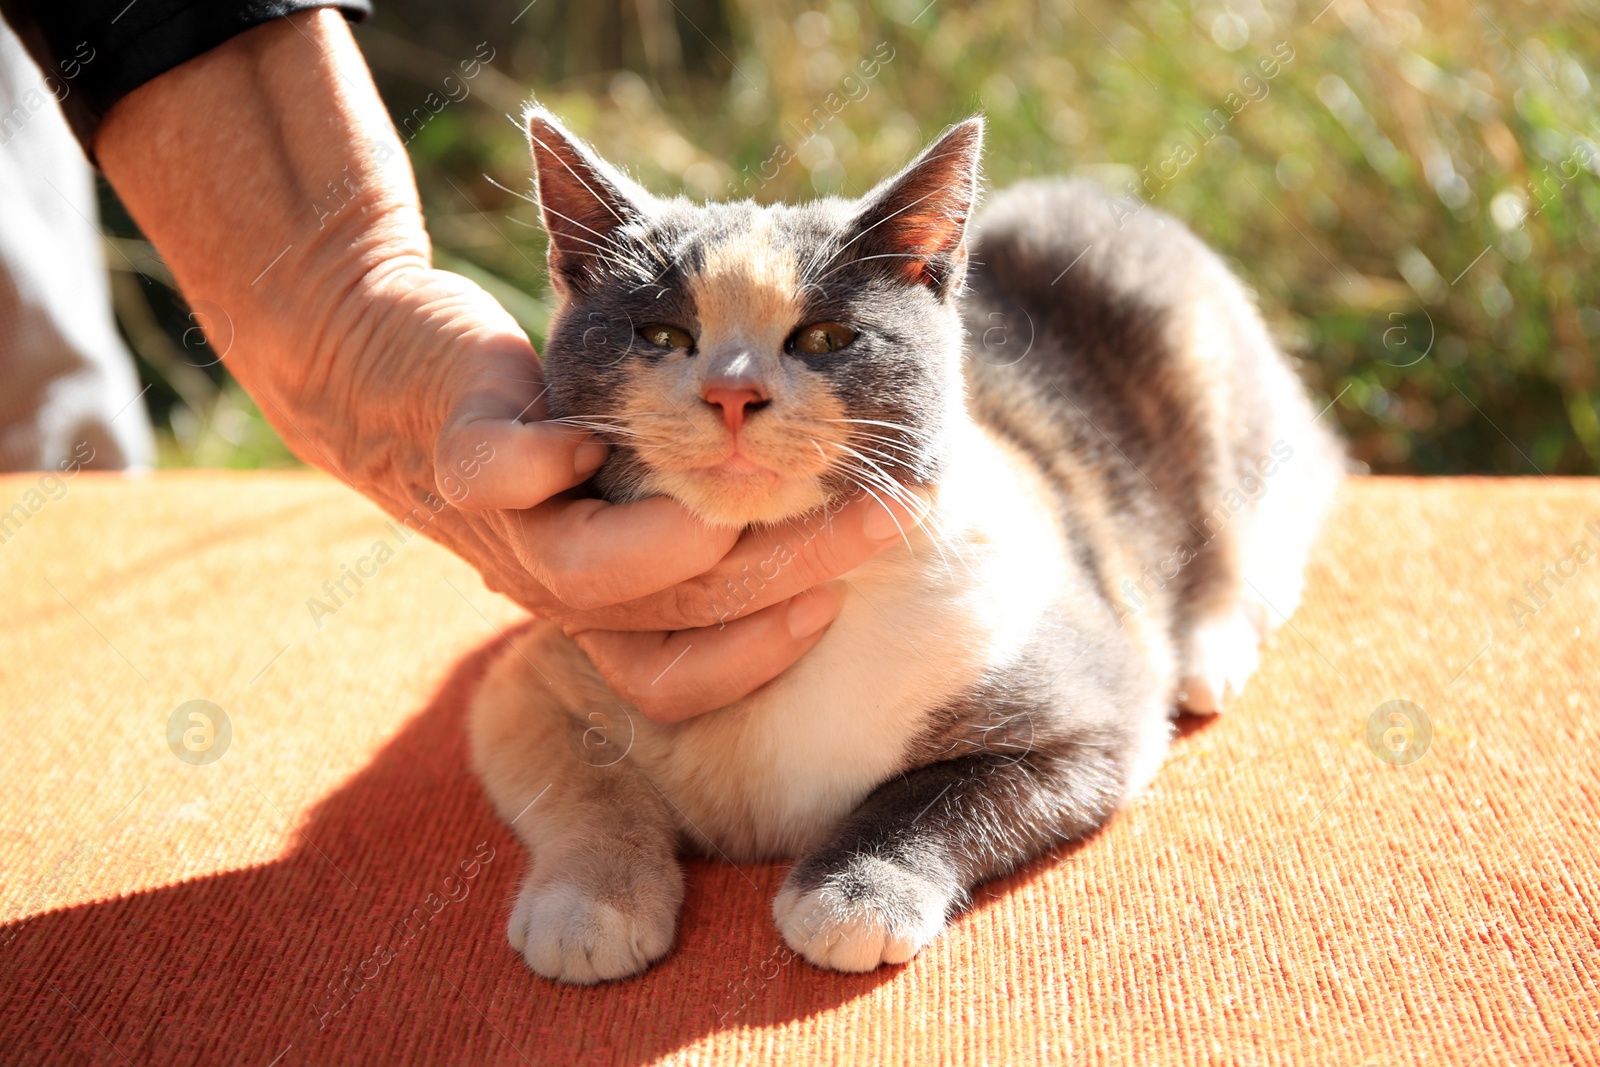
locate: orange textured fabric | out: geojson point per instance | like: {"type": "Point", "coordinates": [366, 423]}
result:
{"type": "Point", "coordinates": [1279, 896]}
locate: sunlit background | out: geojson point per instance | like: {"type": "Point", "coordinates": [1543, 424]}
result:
{"type": "Point", "coordinates": [1413, 189]}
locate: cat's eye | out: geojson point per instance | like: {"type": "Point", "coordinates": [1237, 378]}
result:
{"type": "Point", "coordinates": [820, 338]}
{"type": "Point", "coordinates": [664, 336]}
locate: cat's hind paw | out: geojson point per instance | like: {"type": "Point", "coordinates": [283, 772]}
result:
{"type": "Point", "coordinates": [1224, 653]}
{"type": "Point", "coordinates": [868, 913]}
{"type": "Point", "coordinates": [566, 933]}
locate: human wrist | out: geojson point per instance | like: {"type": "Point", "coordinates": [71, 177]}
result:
{"type": "Point", "coordinates": [392, 357]}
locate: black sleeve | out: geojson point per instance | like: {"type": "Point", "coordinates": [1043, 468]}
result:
{"type": "Point", "coordinates": [95, 52]}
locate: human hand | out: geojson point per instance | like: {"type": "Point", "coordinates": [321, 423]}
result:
{"type": "Point", "coordinates": [414, 386]}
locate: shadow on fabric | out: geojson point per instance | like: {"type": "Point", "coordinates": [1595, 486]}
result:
{"type": "Point", "coordinates": [380, 938]}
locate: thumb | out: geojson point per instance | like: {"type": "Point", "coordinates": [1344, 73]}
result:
{"type": "Point", "coordinates": [488, 457]}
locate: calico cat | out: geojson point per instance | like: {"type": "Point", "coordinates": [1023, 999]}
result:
{"type": "Point", "coordinates": [1121, 479]}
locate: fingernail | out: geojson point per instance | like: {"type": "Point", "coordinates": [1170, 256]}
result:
{"type": "Point", "coordinates": [881, 525]}
{"type": "Point", "coordinates": [812, 610]}
{"type": "Point", "coordinates": [588, 457]}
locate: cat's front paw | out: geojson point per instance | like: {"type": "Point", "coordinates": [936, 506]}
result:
{"type": "Point", "coordinates": [567, 933]}
{"type": "Point", "coordinates": [868, 912]}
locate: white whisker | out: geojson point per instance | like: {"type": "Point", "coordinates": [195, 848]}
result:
{"type": "Point", "coordinates": [520, 196]}
{"type": "Point", "coordinates": [886, 255]}
{"type": "Point", "coordinates": [913, 431]}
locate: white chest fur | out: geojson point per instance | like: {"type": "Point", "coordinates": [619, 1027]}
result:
{"type": "Point", "coordinates": [920, 625]}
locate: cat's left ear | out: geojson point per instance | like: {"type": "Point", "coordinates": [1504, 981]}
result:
{"type": "Point", "coordinates": [917, 220]}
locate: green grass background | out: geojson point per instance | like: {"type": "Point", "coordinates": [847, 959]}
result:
{"type": "Point", "coordinates": [1413, 192]}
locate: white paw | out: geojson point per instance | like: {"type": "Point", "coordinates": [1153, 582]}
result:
{"type": "Point", "coordinates": [872, 912]}
{"type": "Point", "coordinates": [1223, 655]}
{"type": "Point", "coordinates": [566, 934]}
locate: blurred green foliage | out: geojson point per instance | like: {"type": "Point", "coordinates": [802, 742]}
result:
{"type": "Point", "coordinates": [1412, 188]}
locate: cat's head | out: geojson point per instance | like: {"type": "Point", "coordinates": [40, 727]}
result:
{"type": "Point", "coordinates": [752, 362]}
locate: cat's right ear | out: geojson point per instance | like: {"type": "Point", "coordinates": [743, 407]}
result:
{"type": "Point", "coordinates": [584, 201]}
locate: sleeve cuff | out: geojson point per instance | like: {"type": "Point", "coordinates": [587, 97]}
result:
{"type": "Point", "coordinates": [97, 53]}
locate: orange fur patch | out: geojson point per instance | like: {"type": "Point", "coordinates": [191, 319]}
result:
{"type": "Point", "coordinates": [746, 281]}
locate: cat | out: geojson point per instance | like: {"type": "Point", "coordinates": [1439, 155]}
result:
{"type": "Point", "coordinates": [1122, 478]}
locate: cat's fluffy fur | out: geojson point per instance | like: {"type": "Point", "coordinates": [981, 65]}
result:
{"type": "Point", "coordinates": [1125, 479]}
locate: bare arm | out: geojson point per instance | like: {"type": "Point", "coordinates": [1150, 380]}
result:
{"type": "Point", "coordinates": [412, 385]}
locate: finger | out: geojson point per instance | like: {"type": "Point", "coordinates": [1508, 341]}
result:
{"type": "Point", "coordinates": [674, 676]}
{"type": "Point", "coordinates": [495, 449]}
{"type": "Point", "coordinates": [482, 462]}
{"type": "Point", "coordinates": [769, 565]}
{"type": "Point", "coordinates": [591, 554]}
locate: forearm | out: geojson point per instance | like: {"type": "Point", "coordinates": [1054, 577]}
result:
{"type": "Point", "coordinates": [267, 173]}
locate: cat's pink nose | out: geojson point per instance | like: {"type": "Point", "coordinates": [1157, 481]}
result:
{"type": "Point", "coordinates": [736, 402]}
